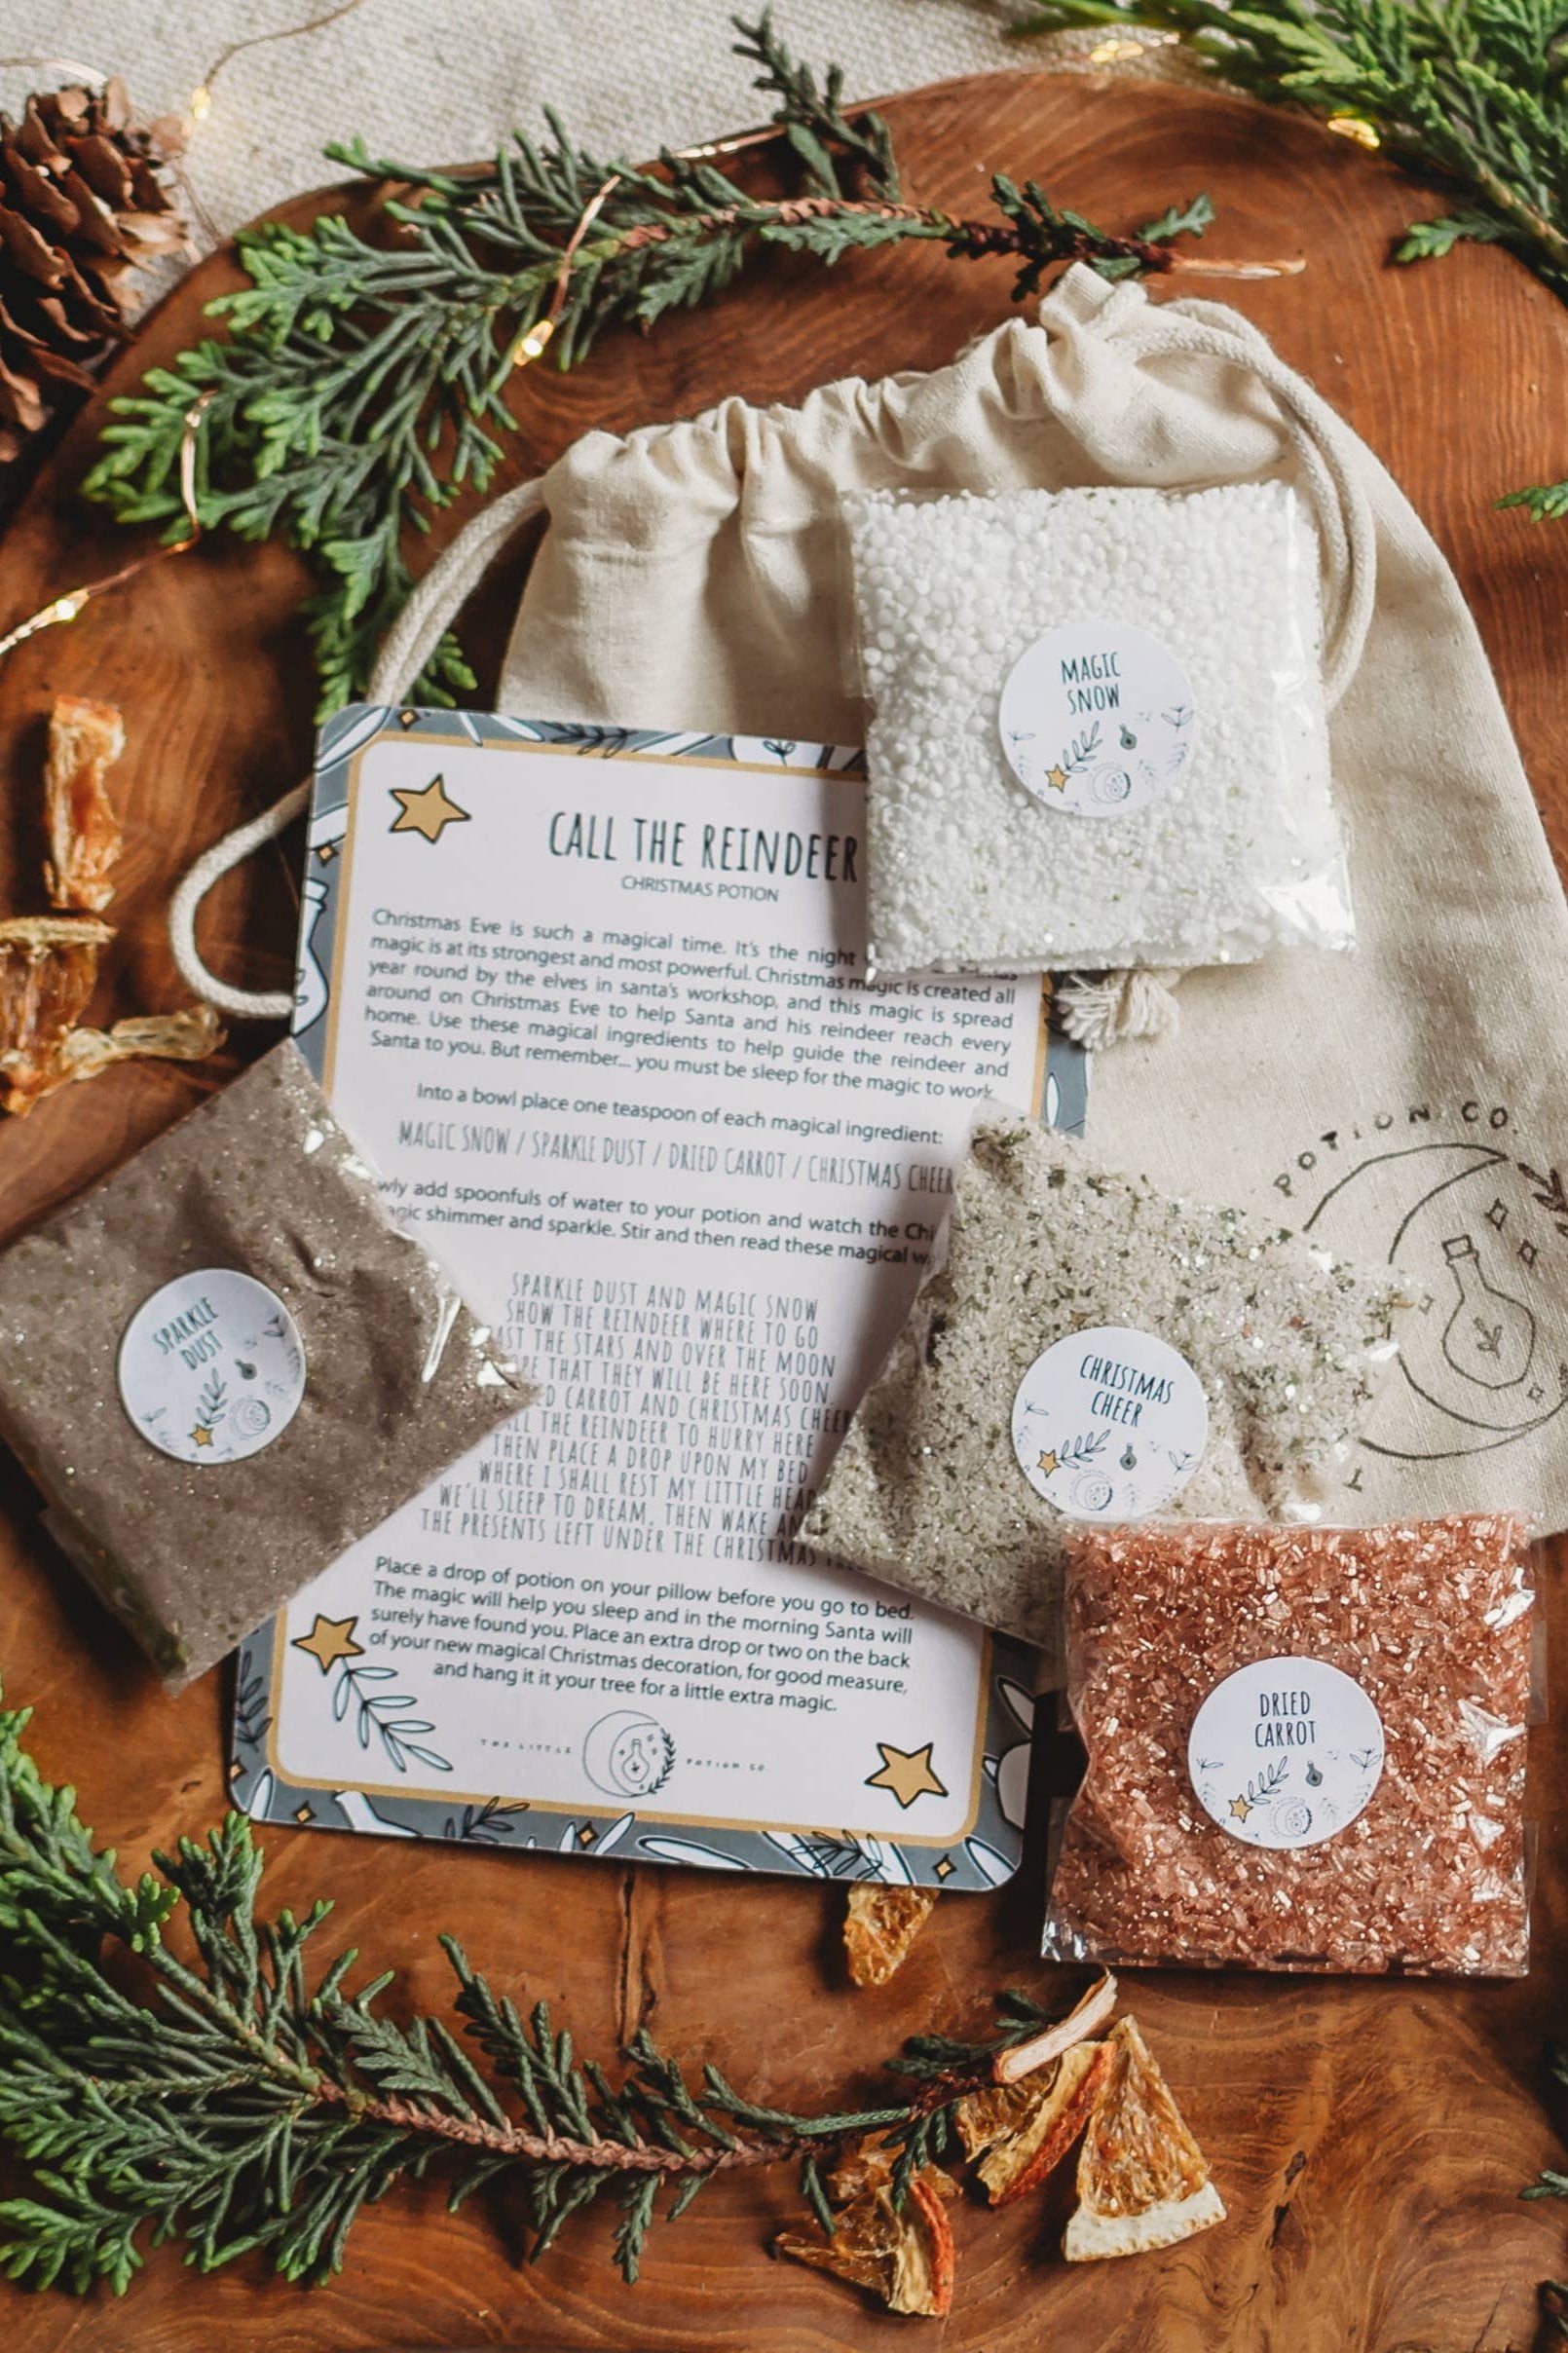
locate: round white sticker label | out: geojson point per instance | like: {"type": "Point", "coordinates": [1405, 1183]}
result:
{"type": "Point", "coordinates": [1098, 719]}
{"type": "Point", "coordinates": [1285, 1752]}
{"type": "Point", "coordinates": [1109, 1423]}
{"type": "Point", "coordinates": [211, 1368]}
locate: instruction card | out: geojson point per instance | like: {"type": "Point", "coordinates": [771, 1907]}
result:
{"type": "Point", "coordinates": [593, 1002]}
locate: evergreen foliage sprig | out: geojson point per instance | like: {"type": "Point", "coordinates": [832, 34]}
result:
{"type": "Point", "coordinates": [241, 2100]}
{"type": "Point", "coordinates": [1474, 92]}
{"type": "Point", "coordinates": [362, 382]}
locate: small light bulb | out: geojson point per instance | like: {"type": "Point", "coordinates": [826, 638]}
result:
{"type": "Point", "coordinates": [532, 343]}
{"type": "Point", "coordinates": [201, 105]}
{"type": "Point", "coordinates": [1353, 126]}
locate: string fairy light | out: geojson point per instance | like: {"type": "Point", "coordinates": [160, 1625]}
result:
{"type": "Point", "coordinates": [74, 601]}
{"type": "Point", "coordinates": [200, 103]}
{"type": "Point", "coordinates": [536, 340]}
{"type": "Point", "coordinates": [1355, 127]}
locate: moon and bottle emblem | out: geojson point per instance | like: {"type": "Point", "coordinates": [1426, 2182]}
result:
{"type": "Point", "coordinates": [1484, 1353]}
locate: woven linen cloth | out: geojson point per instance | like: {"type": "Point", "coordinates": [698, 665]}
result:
{"type": "Point", "coordinates": [448, 84]}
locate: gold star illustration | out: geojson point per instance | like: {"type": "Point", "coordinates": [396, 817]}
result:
{"type": "Point", "coordinates": [201, 1435]}
{"type": "Point", "coordinates": [1241, 1808]}
{"type": "Point", "coordinates": [329, 1640]}
{"type": "Point", "coordinates": [1056, 779]}
{"type": "Point", "coordinates": [1049, 1461]}
{"type": "Point", "coordinates": [429, 813]}
{"type": "Point", "coordinates": [906, 1772]}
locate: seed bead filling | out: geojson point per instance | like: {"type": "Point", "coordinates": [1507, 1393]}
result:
{"type": "Point", "coordinates": [1432, 1619]}
{"type": "Point", "coordinates": [1240, 853]}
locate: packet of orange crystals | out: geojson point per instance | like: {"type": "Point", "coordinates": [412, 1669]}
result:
{"type": "Point", "coordinates": [1306, 1748]}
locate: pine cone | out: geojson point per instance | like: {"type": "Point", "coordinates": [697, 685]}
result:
{"type": "Point", "coordinates": [82, 207]}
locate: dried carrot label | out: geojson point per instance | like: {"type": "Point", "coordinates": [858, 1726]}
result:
{"type": "Point", "coordinates": [1286, 1752]}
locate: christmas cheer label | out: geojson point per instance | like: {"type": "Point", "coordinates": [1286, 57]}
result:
{"type": "Point", "coordinates": [1097, 719]}
{"type": "Point", "coordinates": [211, 1368]}
{"type": "Point", "coordinates": [1286, 1752]}
{"type": "Point", "coordinates": [1109, 1423]}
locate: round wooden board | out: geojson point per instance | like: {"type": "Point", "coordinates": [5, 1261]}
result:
{"type": "Point", "coordinates": [1370, 2138]}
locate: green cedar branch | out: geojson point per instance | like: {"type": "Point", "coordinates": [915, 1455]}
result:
{"type": "Point", "coordinates": [244, 2101]}
{"type": "Point", "coordinates": [1471, 91]}
{"type": "Point", "coordinates": [361, 384]}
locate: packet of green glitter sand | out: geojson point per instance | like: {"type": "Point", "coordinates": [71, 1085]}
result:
{"type": "Point", "coordinates": [1090, 1350]}
{"type": "Point", "coordinates": [225, 1363]}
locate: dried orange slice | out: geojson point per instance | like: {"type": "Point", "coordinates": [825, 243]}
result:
{"type": "Point", "coordinates": [905, 2258]}
{"type": "Point", "coordinates": [1143, 2180]}
{"type": "Point", "coordinates": [880, 1927]}
{"type": "Point", "coordinates": [1021, 2132]}
{"type": "Point", "coordinates": [85, 738]}
{"type": "Point", "coordinates": [49, 968]}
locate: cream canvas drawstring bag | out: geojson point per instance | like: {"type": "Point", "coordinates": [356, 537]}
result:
{"type": "Point", "coordinates": [1404, 1104]}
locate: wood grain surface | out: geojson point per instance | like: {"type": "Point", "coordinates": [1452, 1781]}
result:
{"type": "Point", "coordinates": [1370, 2138]}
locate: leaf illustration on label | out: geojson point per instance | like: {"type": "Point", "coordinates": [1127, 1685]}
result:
{"type": "Point", "coordinates": [1078, 1450]}
{"type": "Point", "coordinates": [1082, 750]}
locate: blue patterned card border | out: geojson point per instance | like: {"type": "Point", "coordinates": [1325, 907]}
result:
{"type": "Point", "coordinates": [988, 1853]}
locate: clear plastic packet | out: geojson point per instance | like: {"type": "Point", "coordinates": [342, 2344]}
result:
{"type": "Point", "coordinates": [1098, 734]}
{"type": "Point", "coordinates": [1306, 1748]}
{"type": "Point", "coordinates": [224, 1363]}
{"type": "Point", "coordinates": [1089, 1348]}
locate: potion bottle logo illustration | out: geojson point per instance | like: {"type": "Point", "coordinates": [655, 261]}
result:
{"type": "Point", "coordinates": [1490, 1335]}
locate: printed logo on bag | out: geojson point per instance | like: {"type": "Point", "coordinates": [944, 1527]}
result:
{"type": "Point", "coordinates": [1097, 719]}
{"type": "Point", "coordinates": [1109, 1423]}
{"type": "Point", "coordinates": [1286, 1752]}
{"type": "Point", "coordinates": [211, 1368]}
{"type": "Point", "coordinates": [1473, 1218]}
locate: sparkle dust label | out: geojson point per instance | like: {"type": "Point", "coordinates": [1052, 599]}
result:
{"type": "Point", "coordinates": [1286, 1752]}
{"type": "Point", "coordinates": [1109, 1423]}
{"type": "Point", "coordinates": [1097, 719]}
{"type": "Point", "coordinates": [211, 1368]}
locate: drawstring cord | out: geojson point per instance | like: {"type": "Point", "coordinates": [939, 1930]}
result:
{"type": "Point", "coordinates": [1097, 1012]}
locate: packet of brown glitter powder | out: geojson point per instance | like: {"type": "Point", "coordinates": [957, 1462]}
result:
{"type": "Point", "coordinates": [225, 1363]}
{"type": "Point", "coordinates": [1306, 1748]}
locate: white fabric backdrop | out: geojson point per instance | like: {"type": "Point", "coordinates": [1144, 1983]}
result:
{"type": "Point", "coordinates": [443, 81]}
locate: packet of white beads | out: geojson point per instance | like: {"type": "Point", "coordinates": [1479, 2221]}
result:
{"type": "Point", "coordinates": [1098, 732]}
